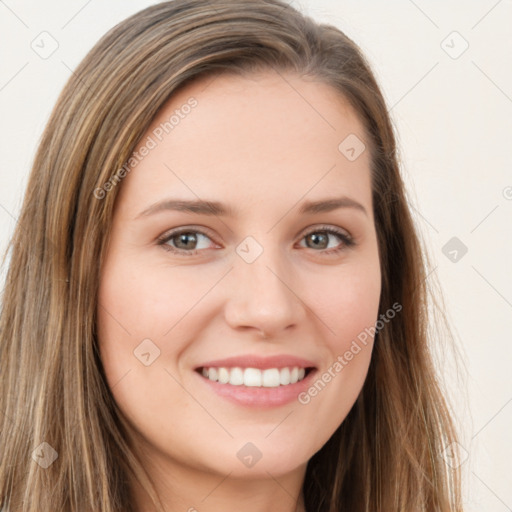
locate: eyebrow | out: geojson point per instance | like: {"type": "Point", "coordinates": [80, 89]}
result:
{"type": "Point", "coordinates": [201, 207]}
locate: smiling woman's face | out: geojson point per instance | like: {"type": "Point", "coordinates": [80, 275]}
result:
{"type": "Point", "coordinates": [184, 287]}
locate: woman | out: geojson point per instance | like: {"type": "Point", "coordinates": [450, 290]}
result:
{"type": "Point", "coordinates": [216, 297]}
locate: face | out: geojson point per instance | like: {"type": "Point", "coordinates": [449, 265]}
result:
{"type": "Point", "coordinates": [243, 256]}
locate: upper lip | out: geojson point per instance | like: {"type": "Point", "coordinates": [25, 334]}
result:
{"type": "Point", "coordinates": [253, 361]}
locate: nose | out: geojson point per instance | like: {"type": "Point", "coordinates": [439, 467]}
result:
{"type": "Point", "coordinates": [263, 296]}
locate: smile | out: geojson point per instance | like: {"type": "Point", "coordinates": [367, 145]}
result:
{"type": "Point", "coordinates": [255, 377]}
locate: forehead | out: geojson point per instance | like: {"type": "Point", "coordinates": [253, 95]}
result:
{"type": "Point", "coordinates": [266, 136]}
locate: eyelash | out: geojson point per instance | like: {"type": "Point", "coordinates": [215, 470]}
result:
{"type": "Point", "coordinates": [347, 241]}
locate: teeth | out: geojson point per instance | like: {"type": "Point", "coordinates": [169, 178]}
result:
{"type": "Point", "coordinates": [236, 377]}
{"type": "Point", "coordinates": [223, 375]}
{"type": "Point", "coordinates": [254, 377]}
{"type": "Point", "coordinates": [271, 378]}
{"type": "Point", "coordinates": [284, 376]}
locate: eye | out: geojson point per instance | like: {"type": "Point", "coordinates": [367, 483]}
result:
{"type": "Point", "coordinates": [189, 241]}
{"type": "Point", "coordinates": [186, 241]}
{"type": "Point", "coordinates": [319, 239]}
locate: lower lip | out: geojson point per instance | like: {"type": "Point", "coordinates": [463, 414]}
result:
{"type": "Point", "coordinates": [260, 396]}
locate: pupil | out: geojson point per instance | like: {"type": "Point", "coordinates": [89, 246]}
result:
{"type": "Point", "coordinates": [184, 238]}
{"type": "Point", "coordinates": [318, 239]}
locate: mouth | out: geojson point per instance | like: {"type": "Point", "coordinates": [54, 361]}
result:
{"type": "Point", "coordinates": [252, 380]}
{"type": "Point", "coordinates": [255, 377]}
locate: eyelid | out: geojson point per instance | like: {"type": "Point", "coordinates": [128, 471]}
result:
{"type": "Point", "coordinates": [326, 227]}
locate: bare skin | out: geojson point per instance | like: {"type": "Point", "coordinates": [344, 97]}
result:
{"type": "Point", "coordinates": [262, 145]}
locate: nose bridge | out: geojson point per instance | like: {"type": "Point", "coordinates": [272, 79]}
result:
{"type": "Point", "coordinates": [262, 295]}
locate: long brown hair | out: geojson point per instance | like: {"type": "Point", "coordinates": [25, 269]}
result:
{"type": "Point", "coordinates": [385, 456]}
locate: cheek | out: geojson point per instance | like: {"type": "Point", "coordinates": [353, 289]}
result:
{"type": "Point", "coordinates": [348, 307]}
{"type": "Point", "coordinates": [147, 310]}
{"type": "Point", "coordinates": [147, 301]}
{"type": "Point", "coordinates": [136, 309]}
{"type": "Point", "coordinates": [348, 302]}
